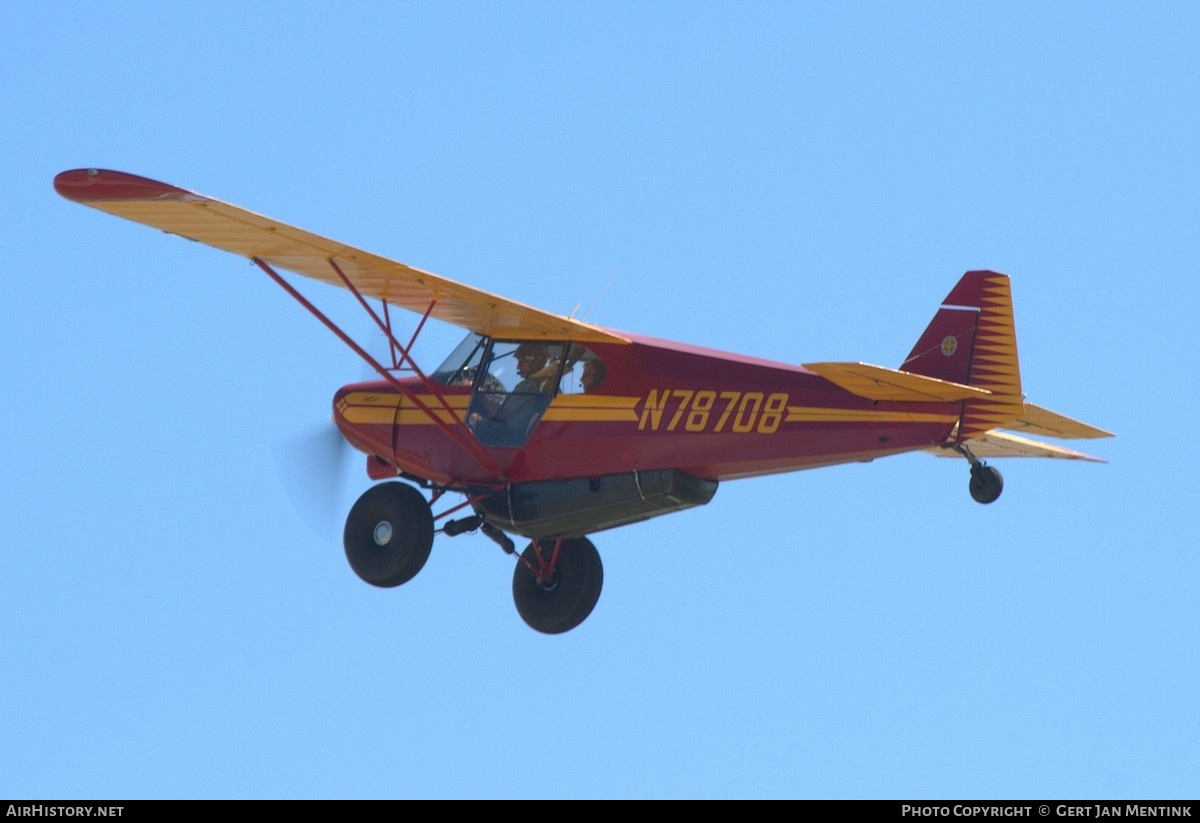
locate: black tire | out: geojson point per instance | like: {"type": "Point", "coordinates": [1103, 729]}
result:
{"type": "Point", "coordinates": [986, 484]}
{"type": "Point", "coordinates": [565, 601]}
{"type": "Point", "coordinates": [388, 534]}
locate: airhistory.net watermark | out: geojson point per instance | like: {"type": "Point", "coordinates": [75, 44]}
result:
{"type": "Point", "coordinates": [46, 810]}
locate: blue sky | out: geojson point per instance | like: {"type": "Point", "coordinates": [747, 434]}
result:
{"type": "Point", "coordinates": [799, 181]}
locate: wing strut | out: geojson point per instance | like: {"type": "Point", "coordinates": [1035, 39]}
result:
{"type": "Point", "coordinates": [456, 430]}
{"type": "Point", "coordinates": [385, 325]}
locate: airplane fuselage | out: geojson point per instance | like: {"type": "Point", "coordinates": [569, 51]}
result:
{"type": "Point", "coordinates": [662, 405]}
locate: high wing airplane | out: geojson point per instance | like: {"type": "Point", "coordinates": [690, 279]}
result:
{"type": "Point", "coordinates": [554, 429]}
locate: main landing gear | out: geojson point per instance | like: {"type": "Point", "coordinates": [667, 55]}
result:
{"type": "Point", "coordinates": [557, 583]}
{"type": "Point", "coordinates": [389, 533]}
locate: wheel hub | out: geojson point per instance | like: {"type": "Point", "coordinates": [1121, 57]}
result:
{"type": "Point", "coordinates": [383, 533]}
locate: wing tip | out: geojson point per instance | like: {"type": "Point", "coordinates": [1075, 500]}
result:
{"type": "Point", "coordinates": [95, 185]}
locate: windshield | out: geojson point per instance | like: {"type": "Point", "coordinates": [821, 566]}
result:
{"type": "Point", "coordinates": [459, 368]}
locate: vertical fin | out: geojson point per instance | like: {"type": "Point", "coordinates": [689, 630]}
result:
{"type": "Point", "coordinates": [944, 350]}
{"type": "Point", "coordinates": [972, 339]}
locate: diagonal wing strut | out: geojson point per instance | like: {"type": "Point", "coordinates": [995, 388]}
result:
{"type": "Point", "coordinates": [456, 430]}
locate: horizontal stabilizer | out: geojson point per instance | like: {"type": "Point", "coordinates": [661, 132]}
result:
{"type": "Point", "coordinates": [1002, 444]}
{"type": "Point", "coordinates": [881, 383]}
{"type": "Point", "coordinates": [1046, 423]}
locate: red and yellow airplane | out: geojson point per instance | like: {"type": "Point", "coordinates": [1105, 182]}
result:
{"type": "Point", "coordinates": [553, 428]}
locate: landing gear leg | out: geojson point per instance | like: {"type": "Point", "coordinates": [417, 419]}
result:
{"type": "Point", "coordinates": [388, 534]}
{"type": "Point", "coordinates": [557, 583]}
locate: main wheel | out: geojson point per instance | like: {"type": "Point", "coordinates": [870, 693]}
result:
{"type": "Point", "coordinates": [554, 601]}
{"type": "Point", "coordinates": [388, 534]}
{"type": "Point", "coordinates": [986, 483]}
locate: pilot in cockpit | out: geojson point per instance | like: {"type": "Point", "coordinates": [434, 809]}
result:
{"type": "Point", "coordinates": [515, 417]}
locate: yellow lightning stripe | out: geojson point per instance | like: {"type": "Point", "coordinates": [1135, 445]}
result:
{"type": "Point", "coordinates": [591, 415]}
{"type": "Point", "coordinates": [593, 408]}
{"type": "Point", "coordinates": [818, 414]}
{"type": "Point", "coordinates": [391, 401]}
{"type": "Point", "coordinates": [386, 409]}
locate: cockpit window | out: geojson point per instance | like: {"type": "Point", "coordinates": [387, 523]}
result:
{"type": "Point", "coordinates": [513, 382]}
{"type": "Point", "coordinates": [520, 378]}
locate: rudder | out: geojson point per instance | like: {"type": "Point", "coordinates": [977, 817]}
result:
{"type": "Point", "coordinates": [972, 339]}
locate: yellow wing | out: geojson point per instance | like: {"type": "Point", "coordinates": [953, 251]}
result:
{"type": "Point", "coordinates": [251, 235]}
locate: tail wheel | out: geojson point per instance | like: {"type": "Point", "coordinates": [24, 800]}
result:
{"type": "Point", "coordinates": [557, 583]}
{"type": "Point", "coordinates": [986, 483]}
{"type": "Point", "coordinates": [388, 534]}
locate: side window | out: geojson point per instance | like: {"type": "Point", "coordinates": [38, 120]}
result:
{"type": "Point", "coordinates": [583, 373]}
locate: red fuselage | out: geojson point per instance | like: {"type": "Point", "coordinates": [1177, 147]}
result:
{"type": "Point", "coordinates": [661, 406]}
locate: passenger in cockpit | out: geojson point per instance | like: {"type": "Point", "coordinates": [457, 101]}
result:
{"type": "Point", "coordinates": [593, 375]}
